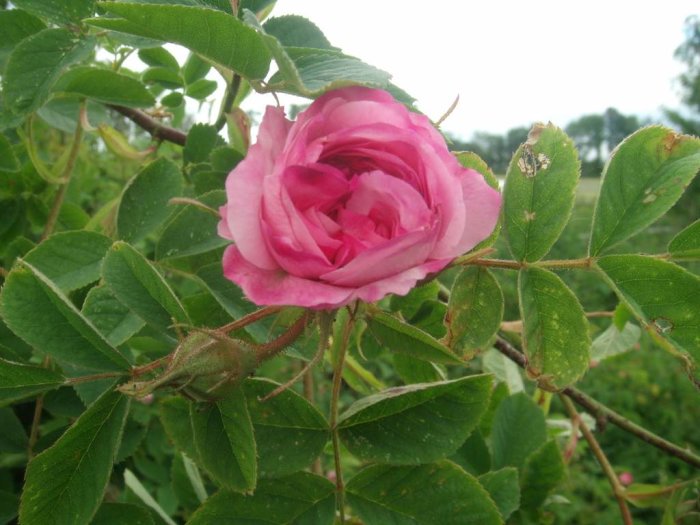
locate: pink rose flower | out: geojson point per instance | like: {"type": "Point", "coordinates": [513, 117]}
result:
{"type": "Point", "coordinates": [357, 199]}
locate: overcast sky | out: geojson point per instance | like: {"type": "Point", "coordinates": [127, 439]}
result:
{"type": "Point", "coordinates": [512, 62]}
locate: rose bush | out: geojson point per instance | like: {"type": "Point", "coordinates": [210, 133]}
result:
{"type": "Point", "coordinates": [357, 199]}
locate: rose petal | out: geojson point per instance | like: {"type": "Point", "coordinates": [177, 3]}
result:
{"type": "Point", "coordinates": [287, 234]}
{"type": "Point", "coordinates": [400, 283]}
{"type": "Point", "coordinates": [244, 189]}
{"type": "Point", "coordinates": [276, 287]}
{"type": "Point", "coordinates": [390, 202]}
{"type": "Point", "coordinates": [483, 205]}
{"type": "Point", "coordinates": [385, 260]}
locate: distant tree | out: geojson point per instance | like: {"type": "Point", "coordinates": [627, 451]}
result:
{"type": "Point", "coordinates": [619, 126]}
{"type": "Point", "coordinates": [588, 132]}
{"type": "Point", "coordinates": [688, 119]}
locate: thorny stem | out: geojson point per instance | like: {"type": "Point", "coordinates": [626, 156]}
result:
{"type": "Point", "coordinates": [252, 317]}
{"type": "Point", "coordinates": [274, 347]}
{"type": "Point", "coordinates": [186, 201]}
{"type": "Point", "coordinates": [591, 315]}
{"type": "Point", "coordinates": [618, 489]}
{"type": "Point", "coordinates": [554, 264]}
{"type": "Point", "coordinates": [586, 262]}
{"type": "Point", "coordinates": [151, 125]}
{"type": "Point", "coordinates": [603, 414]}
{"type": "Point", "coordinates": [335, 396]}
{"type": "Point", "coordinates": [323, 323]}
{"type": "Point", "coordinates": [65, 177]}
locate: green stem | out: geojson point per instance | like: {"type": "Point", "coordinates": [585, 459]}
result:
{"type": "Point", "coordinates": [94, 377]}
{"type": "Point", "coordinates": [335, 396]}
{"type": "Point", "coordinates": [231, 93]}
{"type": "Point", "coordinates": [36, 418]}
{"type": "Point", "coordinates": [618, 489]}
{"type": "Point", "coordinates": [602, 413]}
{"type": "Point", "coordinates": [65, 178]}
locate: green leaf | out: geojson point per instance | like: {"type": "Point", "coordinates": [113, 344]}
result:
{"type": "Point", "coordinates": [121, 513]}
{"type": "Point", "coordinates": [539, 192]}
{"type": "Point", "coordinates": [17, 25]}
{"type": "Point", "coordinates": [223, 437]}
{"type": "Point", "coordinates": [183, 486]}
{"type": "Point", "coordinates": [114, 320]}
{"type": "Point", "coordinates": [163, 76]}
{"type": "Point", "coordinates": [61, 12]}
{"type": "Point", "coordinates": [613, 342]}
{"type": "Point", "coordinates": [8, 159]}
{"type": "Point", "coordinates": [9, 506]}
{"type": "Point", "coordinates": [296, 31]}
{"type": "Point", "coordinates": [542, 472]}
{"type": "Point", "coordinates": [301, 498]}
{"type": "Point", "coordinates": [174, 414]}
{"type": "Point", "coordinates": [231, 298]}
{"type": "Point", "coordinates": [686, 244]}
{"type": "Point", "coordinates": [646, 175]}
{"type": "Point", "coordinates": [662, 295]}
{"type": "Point", "coordinates": [105, 86]}
{"type": "Point", "coordinates": [201, 140]}
{"type": "Point", "coordinates": [66, 482]}
{"type": "Point", "coordinates": [139, 286]}
{"type": "Point", "coordinates": [504, 489]}
{"type": "Point", "coordinates": [475, 310]}
{"type": "Point", "coordinates": [503, 369]}
{"type": "Point", "coordinates": [412, 370]}
{"type": "Point", "coordinates": [402, 337]}
{"type": "Point", "coordinates": [36, 63]}
{"type": "Point", "coordinates": [134, 484]}
{"type": "Point", "coordinates": [312, 72]}
{"type": "Point", "coordinates": [555, 329]}
{"type": "Point", "coordinates": [519, 416]}
{"type": "Point", "coordinates": [36, 310]}
{"type": "Point", "coordinates": [432, 494]}
{"type": "Point", "coordinates": [417, 423]}
{"type": "Point", "coordinates": [192, 230]}
{"type": "Point", "coordinates": [70, 259]}
{"type": "Point", "coordinates": [144, 203]}
{"type": "Point", "coordinates": [19, 381]}
{"type": "Point", "coordinates": [290, 432]}
{"type": "Point", "coordinates": [194, 68]}
{"type": "Point", "coordinates": [213, 34]}
{"type": "Point", "coordinates": [201, 89]}
{"type": "Point", "coordinates": [473, 456]}
{"type": "Point", "coordinates": [158, 56]}
{"type": "Point", "coordinates": [13, 438]}
{"type": "Point", "coordinates": [172, 99]}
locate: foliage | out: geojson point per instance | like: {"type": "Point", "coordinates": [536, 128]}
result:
{"type": "Point", "coordinates": [126, 356]}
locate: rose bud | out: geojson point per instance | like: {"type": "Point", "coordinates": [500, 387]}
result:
{"type": "Point", "coordinates": [205, 366]}
{"type": "Point", "coordinates": [356, 199]}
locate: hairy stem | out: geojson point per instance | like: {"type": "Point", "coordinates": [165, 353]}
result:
{"type": "Point", "coordinates": [602, 413]}
{"type": "Point", "coordinates": [618, 489]}
{"type": "Point", "coordinates": [274, 347]}
{"type": "Point", "coordinates": [335, 396]}
{"type": "Point", "coordinates": [94, 377]}
{"type": "Point", "coordinates": [151, 125]}
{"type": "Point", "coordinates": [65, 177]}
{"type": "Point", "coordinates": [251, 318]}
